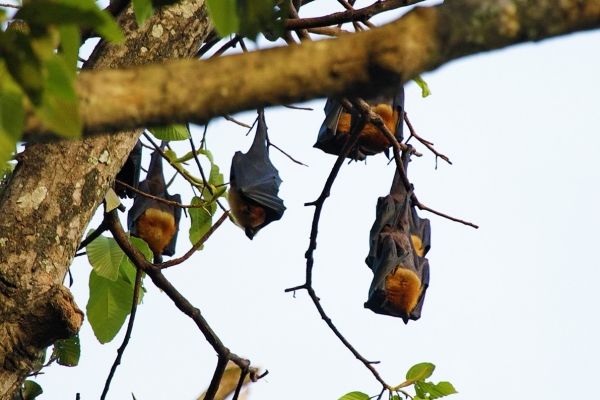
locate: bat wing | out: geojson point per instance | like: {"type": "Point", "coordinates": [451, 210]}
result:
{"type": "Point", "coordinates": [140, 204]}
{"type": "Point", "coordinates": [385, 216]}
{"type": "Point", "coordinates": [420, 232]}
{"type": "Point", "coordinates": [256, 178]}
{"type": "Point", "coordinates": [332, 137]}
{"type": "Point", "coordinates": [130, 173]}
{"type": "Point", "coordinates": [159, 226]}
{"type": "Point", "coordinates": [399, 242]}
{"type": "Point", "coordinates": [328, 140]}
{"type": "Point", "coordinates": [384, 265]}
{"type": "Point", "coordinates": [170, 249]}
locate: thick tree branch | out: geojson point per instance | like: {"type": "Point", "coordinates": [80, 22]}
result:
{"type": "Point", "coordinates": [351, 65]}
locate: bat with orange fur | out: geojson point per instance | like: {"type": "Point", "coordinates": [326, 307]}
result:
{"type": "Point", "coordinates": [254, 185]}
{"type": "Point", "coordinates": [151, 220]}
{"type": "Point", "coordinates": [337, 126]}
{"type": "Point", "coordinates": [399, 242]}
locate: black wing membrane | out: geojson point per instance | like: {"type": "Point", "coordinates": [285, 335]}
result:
{"type": "Point", "coordinates": [154, 221]}
{"type": "Point", "coordinates": [130, 173]}
{"type": "Point", "coordinates": [399, 241]}
{"type": "Point", "coordinates": [255, 183]}
{"type": "Point", "coordinates": [335, 130]}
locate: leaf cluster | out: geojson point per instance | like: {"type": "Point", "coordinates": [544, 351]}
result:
{"type": "Point", "coordinates": [415, 377]}
{"type": "Point", "coordinates": [38, 65]}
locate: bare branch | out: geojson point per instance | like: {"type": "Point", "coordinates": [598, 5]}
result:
{"type": "Point", "coordinates": [426, 143]}
{"type": "Point", "coordinates": [349, 16]}
{"type": "Point", "coordinates": [121, 350]}
{"type": "Point", "coordinates": [138, 259]}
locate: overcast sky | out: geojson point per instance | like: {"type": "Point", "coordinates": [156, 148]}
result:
{"type": "Point", "coordinates": [512, 308]}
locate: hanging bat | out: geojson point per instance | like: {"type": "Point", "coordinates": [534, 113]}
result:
{"type": "Point", "coordinates": [336, 128]}
{"type": "Point", "coordinates": [254, 185]}
{"type": "Point", "coordinates": [153, 221]}
{"type": "Point", "coordinates": [130, 173]}
{"type": "Point", "coordinates": [399, 242]}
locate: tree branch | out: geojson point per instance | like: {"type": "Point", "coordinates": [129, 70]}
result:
{"type": "Point", "coordinates": [161, 282]}
{"type": "Point", "coordinates": [356, 65]}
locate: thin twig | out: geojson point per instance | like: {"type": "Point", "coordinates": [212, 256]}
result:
{"type": "Point", "coordinates": [287, 155]}
{"type": "Point", "coordinates": [396, 148]}
{"type": "Point", "coordinates": [426, 143]}
{"type": "Point", "coordinates": [240, 384]}
{"type": "Point", "coordinates": [231, 43]}
{"type": "Point", "coordinates": [94, 235]}
{"type": "Point", "coordinates": [350, 7]}
{"type": "Point", "coordinates": [298, 108]}
{"type": "Point", "coordinates": [9, 5]}
{"type": "Point", "coordinates": [121, 350]}
{"type": "Point", "coordinates": [421, 206]}
{"type": "Point", "coordinates": [235, 121]}
{"type": "Point", "coordinates": [362, 14]}
{"type": "Point", "coordinates": [348, 146]}
{"type": "Point", "coordinates": [161, 282]}
{"type": "Point", "coordinates": [333, 31]}
{"type": "Point", "coordinates": [210, 41]}
{"type": "Point", "coordinates": [162, 153]}
{"type": "Point", "coordinates": [196, 246]}
{"type": "Point", "coordinates": [302, 33]}
{"type": "Point", "coordinates": [160, 199]}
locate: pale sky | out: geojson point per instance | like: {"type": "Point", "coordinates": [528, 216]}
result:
{"type": "Point", "coordinates": [512, 308]}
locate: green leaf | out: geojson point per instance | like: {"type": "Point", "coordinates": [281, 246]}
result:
{"type": "Point", "coordinates": [127, 273]}
{"type": "Point", "coordinates": [201, 220]}
{"type": "Point", "coordinates": [354, 396]}
{"type": "Point", "coordinates": [224, 15]}
{"type": "Point", "coordinates": [257, 16]}
{"type": "Point", "coordinates": [85, 13]}
{"type": "Point", "coordinates": [215, 177]}
{"type": "Point", "coordinates": [420, 372]}
{"type": "Point", "coordinates": [423, 85]}
{"type": "Point", "coordinates": [12, 116]}
{"type": "Point", "coordinates": [67, 351]}
{"type": "Point", "coordinates": [105, 256]}
{"type": "Point", "coordinates": [435, 391]}
{"type": "Point", "coordinates": [60, 106]}
{"type": "Point", "coordinates": [143, 11]}
{"type": "Point", "coordinates": [30, 390]}
{"type": "Point", "coordinates": [143, 247]}
{"type": "Point", "coordinates": [23, 63]}
{"type": "Point", "coordinates": [108, 306]}
{"type": "Point", "coordinates": [70, 40]}
{"type": "Point", "coordinates": [171, 132]}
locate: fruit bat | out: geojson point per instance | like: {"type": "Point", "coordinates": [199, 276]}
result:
{"type": "Point", "coordinates": [130, 173]}
{"type": "Point", "coordinates": [336, 128]}
{"type": "Point", "coordinates": [399, 241]}
{"type": "Point", "coordinates": [254, 185]}
{"type": "Point", "coordinates": [155, 222]}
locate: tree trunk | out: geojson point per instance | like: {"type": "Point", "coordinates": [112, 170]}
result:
{"type": "Point", "coordinates": [54, 192]}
